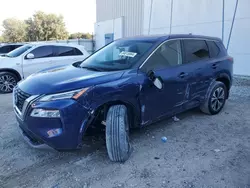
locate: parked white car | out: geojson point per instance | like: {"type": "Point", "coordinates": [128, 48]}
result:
{"type": "Point", "coordinates": [30, 58]}
{"type": "Point", "coordinates": [6, 48]}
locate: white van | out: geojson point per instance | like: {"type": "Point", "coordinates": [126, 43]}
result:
{"type": "Point", "coordinates": [30, 58]}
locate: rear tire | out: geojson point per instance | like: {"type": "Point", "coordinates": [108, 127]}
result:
{"type": "Point", "coordinates": [8, 81]}
{"type": "Point", "coordinates": [117, 133]}
{"type": "Point", "coordinates": [215, 98]}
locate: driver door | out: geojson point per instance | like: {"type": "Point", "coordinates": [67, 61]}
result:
{"type": "Point", "coordinates": [166, 63]}
{"type": "Point", "coordinates": [42, 58]}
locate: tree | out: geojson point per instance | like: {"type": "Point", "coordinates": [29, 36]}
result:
{"type": "Point", "coordinates": [1, 38]}
{"type": "Point", "coordinates": [80, 35]}
{"type": "Point", "coordinates": [46, 27]}
{"type": "Point", "coordinates": [14, 30]}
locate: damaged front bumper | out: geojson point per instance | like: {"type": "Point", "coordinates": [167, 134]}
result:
{"type": "Point", "coordinates": [73, 121]}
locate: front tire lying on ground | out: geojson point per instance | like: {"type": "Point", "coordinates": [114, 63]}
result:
{"type": "Point", "coordinates": [8, 81]}
{"type": "Point", "coordinates": [117, 133]}
{"type": "Point", "coordinates": [215, 99]}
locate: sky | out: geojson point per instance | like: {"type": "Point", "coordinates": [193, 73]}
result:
{"type": "Point", "coordinates": [79, 15]}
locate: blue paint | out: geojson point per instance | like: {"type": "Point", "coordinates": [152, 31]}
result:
{"type": "Point", "coordinates": [130, 86]}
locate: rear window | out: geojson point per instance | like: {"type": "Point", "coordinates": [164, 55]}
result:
{"type": "Point", "coordinates": [214, 50]}
{"type": "Point", "coordinates": [195, 50]}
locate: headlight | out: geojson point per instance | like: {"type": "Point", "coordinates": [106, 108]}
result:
{"type": "Point", "coordinates": [45, 113]}
{"type": "Point", "coordinates": [66, 95]}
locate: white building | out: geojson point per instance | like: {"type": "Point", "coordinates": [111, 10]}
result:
{"type": "Point", "coordinates": [123, 18]}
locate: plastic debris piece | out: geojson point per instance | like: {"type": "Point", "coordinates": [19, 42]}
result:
{"type": "Point", "coordinates": [175, 118]}
{"type": "Point", "coordinates": [217, 150]}
{"type": "Point", "coordinates": [157, 158]}
{"type": "Point", "coordinates": [164, 139]}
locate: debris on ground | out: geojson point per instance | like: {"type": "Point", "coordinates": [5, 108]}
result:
{"type": "Point", "coordinates": [217, 150]}
{"type": "Point", "coordinates": [164, 139]}
{"type": "Point", "coordinates": [176, 119]}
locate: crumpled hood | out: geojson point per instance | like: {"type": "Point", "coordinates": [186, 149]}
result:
{"type": "Point", "coordinates": [65, 78]}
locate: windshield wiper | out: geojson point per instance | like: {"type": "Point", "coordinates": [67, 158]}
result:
{"type": "Point", "coordinates": [92, 68]}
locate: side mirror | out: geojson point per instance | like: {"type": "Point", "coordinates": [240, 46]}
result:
{"type": "Point", "coordinates": [30, 56]}
{"type": "Point", "coordinates": [156, 80]}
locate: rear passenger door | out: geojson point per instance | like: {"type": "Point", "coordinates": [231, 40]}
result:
{"type": "Point", "coordinates": [67, 55]}
{"type": "Point", "coordinates": [196, 55]}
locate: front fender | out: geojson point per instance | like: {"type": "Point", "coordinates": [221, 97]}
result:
{"type": "Point", "coordinates": [125, 90]}
{"type": "Point", "coordinates": [122, 91]}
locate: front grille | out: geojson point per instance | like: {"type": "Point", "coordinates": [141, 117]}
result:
{"type": "Point", "coordinates": [20, 98]}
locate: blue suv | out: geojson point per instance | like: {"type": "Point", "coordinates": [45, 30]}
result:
{"type": "Point", "coordinates": [129, 83]}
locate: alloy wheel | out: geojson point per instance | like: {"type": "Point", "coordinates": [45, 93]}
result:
{"type": "Point", "coordinates": [218, 99]}
{"type": "Point", "coordinates": [7, 83]}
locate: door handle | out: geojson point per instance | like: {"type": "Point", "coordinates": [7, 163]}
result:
{"type": "Point", "coordinates": [183, 74]}
{"type": "Point", "coordinates": [214, 66]}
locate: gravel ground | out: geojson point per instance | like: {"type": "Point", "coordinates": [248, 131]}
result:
{"type": "Point", "coordinates": [201, 151]}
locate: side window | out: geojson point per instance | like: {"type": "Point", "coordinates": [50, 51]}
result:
{"type": "Point", "coordinates": [213, 49]}
{"type": "Point", "coordinates": [42, 52]}
{"type": "Point", "coordinates": [67, 51]}
{"type": "Point", "coordinates": [168, 55]}
{"type": "Point", "coordinates": [195, 50]}
{"type": "Point", "coordinates": [77, 52]}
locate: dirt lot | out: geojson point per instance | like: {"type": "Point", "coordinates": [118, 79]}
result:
{"type": "Point", "coordinates": [201, 151]}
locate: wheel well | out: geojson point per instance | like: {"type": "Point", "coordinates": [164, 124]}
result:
{"type": "Point", "coordinates": [13, 72]}
{"type": "Point", "coordinates": [101, 113]}
{"type": "Point", "coordinates": [226, 82]}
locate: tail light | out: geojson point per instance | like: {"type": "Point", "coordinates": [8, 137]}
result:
{"type": "Point", "coordinates": [231, 59]}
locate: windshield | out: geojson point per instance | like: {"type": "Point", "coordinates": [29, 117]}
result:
{"type": "Point", "coordinates": [19, 51]}
{"type": "Point", "coordinates": [119, 55]}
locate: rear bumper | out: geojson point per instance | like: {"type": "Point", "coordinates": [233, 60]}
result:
{"type": "Point", "coordinates": [73, 121]}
